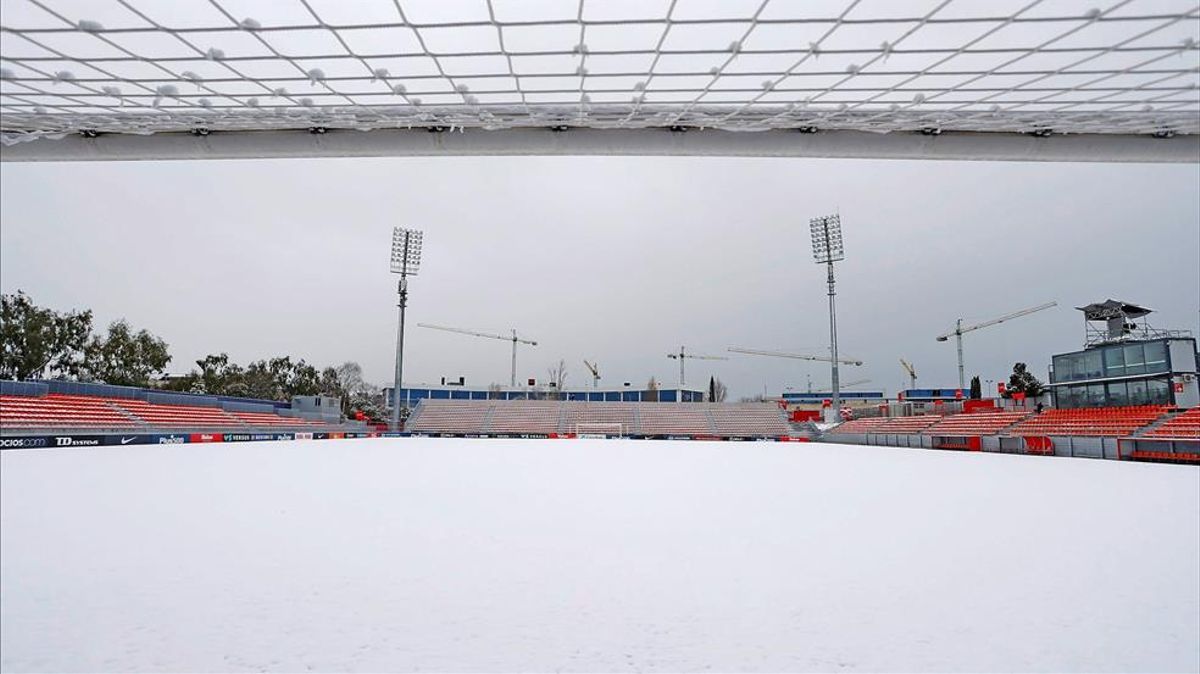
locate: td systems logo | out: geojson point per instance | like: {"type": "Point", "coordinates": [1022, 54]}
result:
{"type": "Point", "coordinates": [67, 441]}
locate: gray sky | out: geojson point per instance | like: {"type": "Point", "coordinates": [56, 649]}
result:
{"type": "Point", "coordinates": [617, 260]}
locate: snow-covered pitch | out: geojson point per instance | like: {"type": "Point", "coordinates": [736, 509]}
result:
{"type": "Point", "coordinates": [506, 555]}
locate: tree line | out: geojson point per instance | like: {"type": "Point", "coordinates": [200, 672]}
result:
{"type": "Point", "coordinates": [40, 343]}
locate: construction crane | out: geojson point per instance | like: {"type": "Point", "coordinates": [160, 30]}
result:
{"type": "Point", "coordinates": [799, 356]}
{"type": "Point", "coordinates": [912, 373]}
{"type": "Point", "coordinates": [595, 373]}
{"type": "Point", "coordinates": [959, 329]}
{"type": "Point", "coordinates": [684, 355]}
{"type": "Point", "coordinates": [514, 339]}
{"type": "Point", "coordinates": [849, 384]}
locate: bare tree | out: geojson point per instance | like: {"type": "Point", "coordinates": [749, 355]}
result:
{"type": "Point", "coordinates": [558, 375]}
{"type": "Point", "coordinates": [495, 391]}
{"type": "Point", "coordinates": [651, 391]}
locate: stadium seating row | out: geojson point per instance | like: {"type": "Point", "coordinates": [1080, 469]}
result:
{"type": "Point", "coordinates": [1184, 425]}
{"type": "Point", "coordinates": [1094, 421]}
{"type": "Point", "coordinates": [90, 412]}
{"type": "Point", "coordinates": [546, 417]}
{"type": "Point", "coordinates": [1090, 421]}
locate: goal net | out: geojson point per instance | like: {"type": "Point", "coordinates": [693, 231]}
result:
{"type": "Point", "coordinates": [600, 430]}
{"type": "Point", "coordinates": [1015, 67]}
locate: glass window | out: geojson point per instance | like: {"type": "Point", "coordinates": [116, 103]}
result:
{"type": "Point", "coordinates": [1095, 395]}
{"type": "Point", "coordinates": [1156, 357]}
{"type": "Point", "coordinates": [1073, 396]}
{"type": "Point", "coordinates": [1138, 394]}
{"type": "Point", "coordinates": [1159, 392]}
{"type": "Point", "coordinates": [1093, 365]}
{"type": "Point", "coordinates": [1117, 395]}
{"type": "Point", "coordinates": [1062, 369]}
{"type": "Point", "coordinates": [1134, 359]}
{"type": "Point", "coordinates": [1114, 362]}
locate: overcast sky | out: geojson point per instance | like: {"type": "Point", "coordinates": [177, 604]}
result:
{"type": "Point", "coordinates": [616, 260]}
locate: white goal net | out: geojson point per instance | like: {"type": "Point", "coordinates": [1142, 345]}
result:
{"type": "Point", "coordinates": [600, 430]}
{"type": "Point", "coordinates": [1028, 67]}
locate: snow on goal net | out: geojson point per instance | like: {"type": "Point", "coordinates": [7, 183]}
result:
{"type": "Point", "coordinates": [600, 430]}
{"type": "Point", "coordinates": [141, 69]}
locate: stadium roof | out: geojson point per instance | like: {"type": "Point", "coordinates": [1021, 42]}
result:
{"type": "Point", "coordinates": [1008, 79]}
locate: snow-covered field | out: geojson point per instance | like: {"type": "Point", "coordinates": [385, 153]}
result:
{"type": "Point", "coordinates": [505, 555]}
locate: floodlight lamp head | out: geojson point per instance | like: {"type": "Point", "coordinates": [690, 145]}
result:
{"type": "Point", "coordinates": [406, 251]}
{"type": "Point", "coordinates": [826, 232]}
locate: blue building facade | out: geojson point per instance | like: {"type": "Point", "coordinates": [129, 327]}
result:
{"type": "Point", "coordinates": [411, 395]}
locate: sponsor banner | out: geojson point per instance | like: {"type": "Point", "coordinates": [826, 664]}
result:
{"type": "Point", "coordinates": [255, 437]}
{"type": "Point", "coordinates": [126, 439]}
{"type": "Point", "coordinates": [205, 437]}
{"type": "Point", "coordinates": [303, 436]}
{"type": "Point", "coordinates": [336, 436]}
{"type": "Point", "coordinates": [320, 436]}
{"type": "Point", "coordinates": [24, 443]}
{"type": "Point", "coordinates": [77, 441]}
{"type": "Point", "coordinates": [167, 439]}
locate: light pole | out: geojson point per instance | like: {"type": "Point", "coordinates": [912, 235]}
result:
{"type": "Point", "coordinates": [406, 261]}
{"type": "Point", "coordinates": [827, 248]}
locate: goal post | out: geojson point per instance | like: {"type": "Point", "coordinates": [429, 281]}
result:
{"type": "Point", "coordinates": [599, 430]}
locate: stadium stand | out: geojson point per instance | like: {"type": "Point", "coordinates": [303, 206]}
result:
{"type": "Point", "coordinates": [514, 416]}
{"type": "Point", "coordinates": [177, 415]}
{"type": "Point", "coordinates": [548, 417]}
{"type": "Point", "coordinates": [602, 413]}
{"type": "Point", "coordinates": [461, 417]}
{"type": "Point", "coordinates": [975, 424]}
{"type": "Point", "coordinates": [746, 419]}
{"type": "Point", "coordinates": [1184, 425]}
{"type": "Point", "coordinates": [1090, 421]}
{"type": "Point", "coordinates": [27, 413]}
{"type": "Point", "coordinates": [266, 419]}
{"type": "Point", "coordinates": [888, 425]}
{"type": "Point", "coordinates": [61, 411]}
{"type": "Point", "coordinates": [673, 419]}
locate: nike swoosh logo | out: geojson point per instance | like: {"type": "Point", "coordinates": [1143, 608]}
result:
{"type": "Point", "coordinates": [126, 441]}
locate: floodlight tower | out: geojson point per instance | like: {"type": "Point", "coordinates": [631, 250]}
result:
{"type": "Point", "coordinates": [406, 261]}
{"type": "Point", "coordinates": [827, 248]}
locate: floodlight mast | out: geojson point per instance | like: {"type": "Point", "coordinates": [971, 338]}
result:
{"type": "Point", "coordinates": [406, 261]}
{"type": "Point", "coordinates": [827, 248]}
